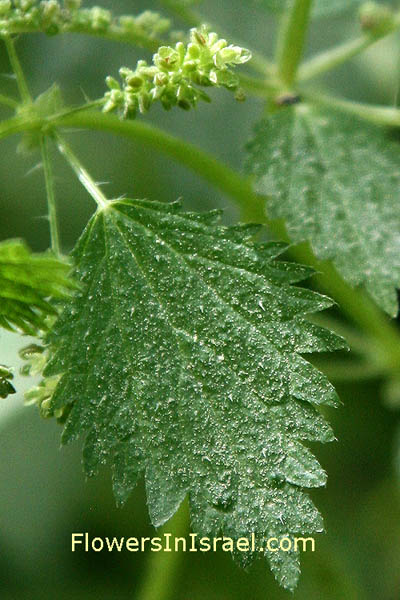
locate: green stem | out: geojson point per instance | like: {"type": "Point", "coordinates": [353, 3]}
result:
{"type": "Point", "coordinates": [291, 39]}
{"type": "Point", "coordinates": [10, 102]}
{"type": "Point", "coordinates": [385, 116]}
{"type": "Point", "coordinates": [16, 67]}
{"type": "Point", "coordinates": [326, 61]}
{"type": "Point", "coordinates": [18, 125]}
{"type": "Point", "coordinates": [330, 59]}
{"type": "Point", "coordinates": [163, 567]}
{"type": "Point", "coordinates": [82, 174]}
{"type": "Point", "coordinates": [113, 34]}
{"type": "Point", "coordinates": [206, 165]}
{"type": "Point", "coordinates": [51, 199]}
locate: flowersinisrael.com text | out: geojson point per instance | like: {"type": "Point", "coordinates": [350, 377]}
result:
{"type": "Point", "coordinates": [168, 543]}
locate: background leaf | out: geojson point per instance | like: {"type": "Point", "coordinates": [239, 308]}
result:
{"type": "Point", "coordinates": [27, 281]}
{"type": "Point", "coordinates": [335, 180]}
{"type": "Point", "coordinates": [204, 389]}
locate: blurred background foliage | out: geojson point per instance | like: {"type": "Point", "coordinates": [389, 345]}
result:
{"type": "Point", "coordinates": [43, 494]}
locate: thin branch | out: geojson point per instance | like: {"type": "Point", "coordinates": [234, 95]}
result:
{"type": "Point", "coordinates": [51, 199]}
{"type": "Point", "coordinates": [291, 39]}
{"type": "Point", "coordinates": [385, 116]}
{"type": "Point", "coordinates": [86, 180]}
{"type": "Point", "coordinates": [16, 67]}
{"type": "Point", "coordinates": [330, 59]}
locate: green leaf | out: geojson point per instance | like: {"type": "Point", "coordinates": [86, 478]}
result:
{"type": "Point", "coordinates": [181, 360]}
{"type": "Point", "coordinates": [27, 282]}
{"type": "Point", "coordinates": [335, 181]}
{"type": "Point", "coordinates": [321, 8]}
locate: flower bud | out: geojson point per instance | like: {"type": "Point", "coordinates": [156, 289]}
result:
{"type": "Point", "coordinates": [224, 78]}
{"type": "Point", "coordinates": [134, 81]}
{"type": "Point", "coordinates": [193, 51]}
{"type": "Point", "coordinates": [167, 58]}
{"type": "Point", "coordinates": [100, 18]}
{"type": "Point", "coordinates": [112, 83]}
{"type": "Point", "coordinates": [161, 79]}
{"type": "Point", "coordinates": [197, 37]}
{"type": "Point", "coordinates": [144, 102]}
{"type": "Point", "coordinates": [376, 18]}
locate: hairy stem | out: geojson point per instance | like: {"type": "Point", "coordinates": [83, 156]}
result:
{"type": "Point", "coordinates": [163, 567]}
{"type": "Point", "coordinates": [86, 180]}
{"type": "Point", "coordinates": [19, 74]}
{"type": "Point", "coordinates": [113, 34]}
{"type": "Point", "coordinates": [385, 116]}
{"type": "Point", "coordinates": [206, 165]}
{"type": "Point", "coordinates": [330, 59]}
{"type": "Point", "coordinates": [51, 199]}
{"type": "Point", "coordinates": [291, 39]}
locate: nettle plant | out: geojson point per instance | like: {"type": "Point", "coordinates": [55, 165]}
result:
{"type": "Point", "coordinates": [174, 345]}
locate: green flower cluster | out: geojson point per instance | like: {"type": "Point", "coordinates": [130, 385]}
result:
{"type": "Point", "coordinates": [52, 17]}
{"type": "Point", "coordinates": [175, 75]}
{"type": "Point", "coordinates": [36, 358]}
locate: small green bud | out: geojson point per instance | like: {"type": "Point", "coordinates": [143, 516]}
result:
{"type": "Point", "coordinates": [152, 22]}
{"type": "Point", "coordinates": [144, 102]}
{"type": "Point", "coordinates": [240, 95]}
{"type": "Point", "coordinates": [100, 19]}
{"type": "Point", "coordinates": [50, 13]}
{"type": "Point", "coordinates": [126, 72]}
{"type": "Point", "coordinates": [225, 56]}
{"type": "Point", "coordinates": [219, 45]}
{"type": "Point", "coordinates": [193, 51]}
{"type": "Point", "coordinates": [184, 104]}
{"type": "Point", "coordinates": [134, 81]}
{"type": "Point", "coordinates": [226, 78]}
{"type": "Point", "coordinates": [46, 404]}
{"type": "Point", "coordinates": [127, 22]}
{"type": "Point", "coordinates": [167, 58]}
{"type": "Point", "coordinates": [112, 83]}
{"type": "Point", "coordinates": [376, 18]}
{"type": "Point", "coordinates": [161, 79]}
{"type": "Point", "coordinates": [197, 37]}
{"type": "Point", "coordinates": [244, 56]}
{"type": "Point", "coordinates": [190, 66]}
{"type": "Point", "coordinates": [131, 108]}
